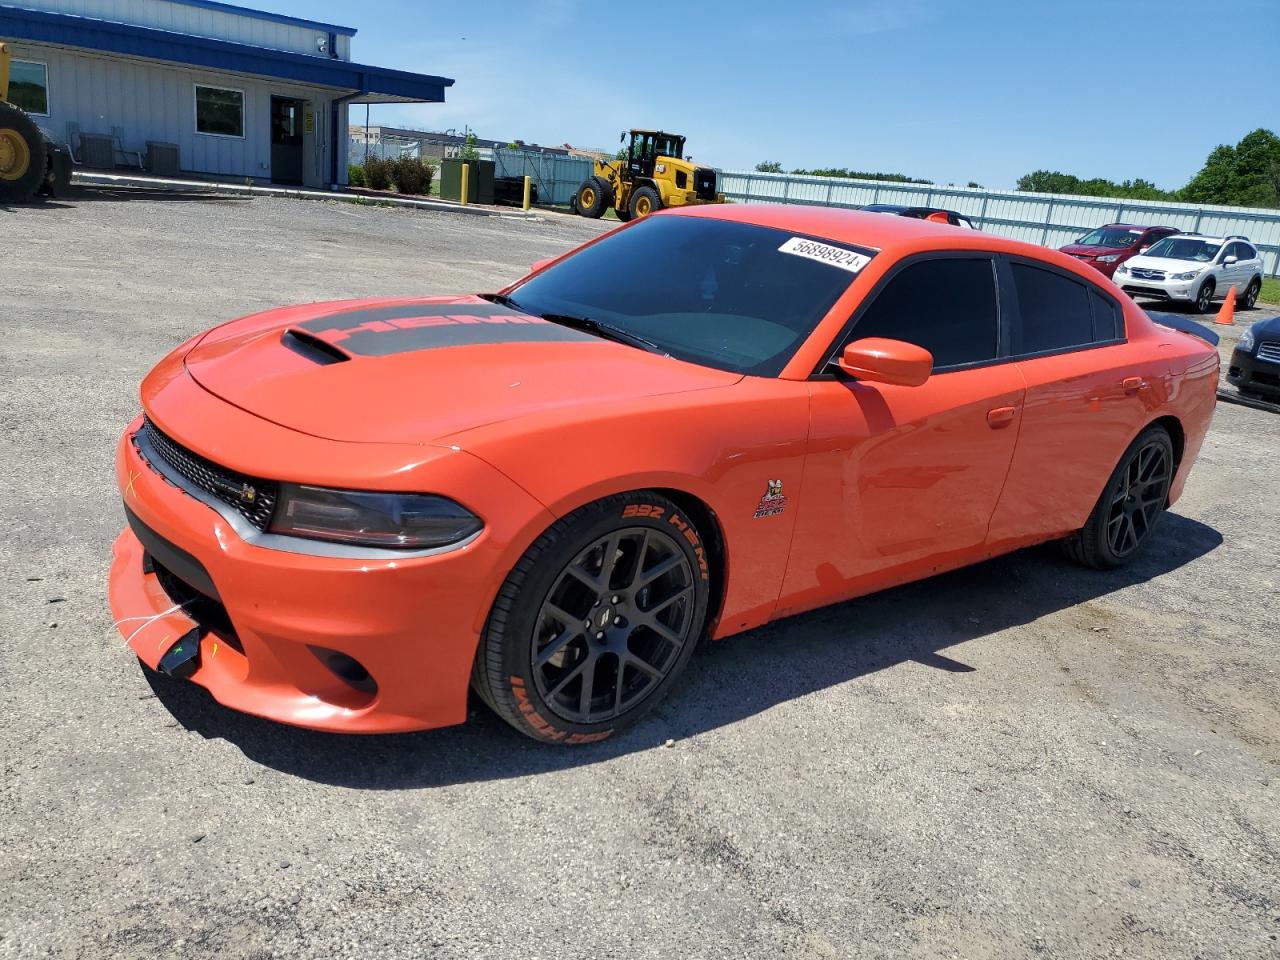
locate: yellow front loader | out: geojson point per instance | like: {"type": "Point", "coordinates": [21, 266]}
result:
{"type": "Point", "coordinates": [29, 162]}
{"type": "Point", "coordinates": [653, 174]}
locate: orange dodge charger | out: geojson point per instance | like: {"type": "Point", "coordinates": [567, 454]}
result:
{"type": "Point", "coordinates": [342, 515]}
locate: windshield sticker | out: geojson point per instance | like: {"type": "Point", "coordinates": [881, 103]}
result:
{"type": "Point", "coordinates": [833, 256]}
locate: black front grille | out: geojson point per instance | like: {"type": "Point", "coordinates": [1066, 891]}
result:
{"type": "Point", "coordinates": [253, 498]}
{"type": "Point", "coordinates": [704, 183]}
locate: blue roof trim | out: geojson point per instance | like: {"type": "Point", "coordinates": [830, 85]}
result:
{"type": "Point", "coordinates": [267, 15]}
{"type": "Point", "coordinates": [107, 36]}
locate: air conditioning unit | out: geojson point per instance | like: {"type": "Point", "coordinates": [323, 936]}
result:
{"type": "Point", "coordinates": [162, 159]}
{"type": "Point", "coordinates": [98, 151]}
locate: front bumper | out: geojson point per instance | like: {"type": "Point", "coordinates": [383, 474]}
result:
{"type": "Point", "coordinates": [1178, 291]}
{"type": "Point", "coordinates": [1248, 372]}
{"type": "Point", "coordinates": [269, 622]}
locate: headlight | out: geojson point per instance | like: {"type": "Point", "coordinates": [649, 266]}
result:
{"type": "Point", "coordinates": [1123, 268]}
{"type": "Point", "coordinates": [1189, 275]}
{"type": "Point", "coordinates": [399, 521]}
{"type": "Point", "coordinates": [1109, 258]}
{"type": "Point", "coordinates": [1246, 341]}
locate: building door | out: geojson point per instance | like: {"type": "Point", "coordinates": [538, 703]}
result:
{"type": "Point", "coordinates": [286, 140]}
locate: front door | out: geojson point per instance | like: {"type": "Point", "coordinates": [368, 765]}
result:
{"type": "Point", "coordinates": [901, 482]}
{"type": "Point", "coordinates": [286, 140]}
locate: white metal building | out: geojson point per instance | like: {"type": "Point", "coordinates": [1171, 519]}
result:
{"type": "Point", "coordinates": [196, 86]}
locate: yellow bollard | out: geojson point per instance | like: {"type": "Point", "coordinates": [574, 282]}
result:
{"type": "Point", "coordinates": [466, 177]}
{"type": "Point", "coordinates": [528, 190]}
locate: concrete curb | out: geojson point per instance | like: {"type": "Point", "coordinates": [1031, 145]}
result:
{"type": "Point", "coordinates": [84, 179]}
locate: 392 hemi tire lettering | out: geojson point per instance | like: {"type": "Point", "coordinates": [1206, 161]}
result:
{"type": "Point", "coordinates": [643, 510]}
{"type": "Point", "coordinates": [691, 535]}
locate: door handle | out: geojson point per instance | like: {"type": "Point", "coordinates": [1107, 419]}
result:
{"type": "Point", "coordinates": [1132, 385]}
{"type": "Point", "coordinates": [998, 417]}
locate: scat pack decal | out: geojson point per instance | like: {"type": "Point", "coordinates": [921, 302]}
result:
{"type": "Point", "coordinates": [773, 502]}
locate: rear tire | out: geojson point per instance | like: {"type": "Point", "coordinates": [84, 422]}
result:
{"type": "Point", "coordinates": [22, 155]}
{"type": "Point", "coordinates": [1130, 505]}
{"type": "Point", "coordinates": [1251, 293]}
{"type": "Point", "coordinates": [596, 621]}
{"type": "Point", "coordinates": [593, 198]}
{"type": "Point", "coordinates": [1204, 298]}
{"type": "Point", "coordinates": [644, 201]}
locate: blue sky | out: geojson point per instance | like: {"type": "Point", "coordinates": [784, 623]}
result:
{"type": "Point", "coordinates": [948, 90]}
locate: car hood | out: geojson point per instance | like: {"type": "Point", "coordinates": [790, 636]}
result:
{"type": "Point", "coordinates": [416, 371]}
{"type": "Point", "coordinates": [1080, 250]}
{"type": "Point", "coordinates": [1167, 264]}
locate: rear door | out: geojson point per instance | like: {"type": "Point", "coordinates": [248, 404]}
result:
{"type": "Point", "coordinates": [1089, 391]}
{"type": "Point", "coordinates": [899, 480]}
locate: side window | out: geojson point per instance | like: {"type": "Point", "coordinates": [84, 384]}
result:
{"type": "Point", "coordinates": [1108, 318]}
{"type": "Point", "coordinates": [1247, 252]}
{"type": "Point", "coordinates": [947, 306]}
{"type": "Point", "coordinates": [1055, 311]}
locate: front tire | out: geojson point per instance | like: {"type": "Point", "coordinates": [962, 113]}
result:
{"type": "Point", "coordinates": [644, 201]}
{"type": "Point", "coordinates": [1130, 506]}
{"type": "Point", "coordinates": [596, 621]}
{"type": "Point", "coordinates": [1204, 298]}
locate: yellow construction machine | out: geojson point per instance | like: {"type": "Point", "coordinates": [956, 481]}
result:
{"type": "Point", "coordinates": [30, 163]}
{"type": "Point", "coordinates": [653, 174]}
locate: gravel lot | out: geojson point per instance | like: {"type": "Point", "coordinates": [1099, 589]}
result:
{"type": "Point", "coordinates": [1018, 759]}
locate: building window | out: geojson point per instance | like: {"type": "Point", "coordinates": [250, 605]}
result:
{"type": "Point", "coordinates": [219, 112]}
{"type": "Point", "coordinates": [29, 86]}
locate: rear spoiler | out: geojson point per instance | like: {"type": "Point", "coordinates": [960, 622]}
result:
{"type": "Point", "coordinates": [1176, 321]}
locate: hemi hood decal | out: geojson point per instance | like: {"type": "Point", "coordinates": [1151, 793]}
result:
{"type": "Point", "coordinates": [385, 331]}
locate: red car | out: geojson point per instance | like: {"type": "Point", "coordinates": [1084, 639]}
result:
{"type": "Point", "coordinates": [341, 515]}
{"type": "Point", "coordinates": [1108, 247]}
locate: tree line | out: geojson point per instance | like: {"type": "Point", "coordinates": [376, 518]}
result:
{"type": "Point", "coordinates": [1244, 175]}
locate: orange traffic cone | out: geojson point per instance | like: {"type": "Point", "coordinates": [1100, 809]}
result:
{"type": "Point", "coordinates": [1227, 315]}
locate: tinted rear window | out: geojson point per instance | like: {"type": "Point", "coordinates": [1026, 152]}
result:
{"type": "Point", "coordinates": [1108, 319]}
{"type": "Point", "coordinates": [1055, 311]}
{"type": "Point", "coordinates": [947, 306]}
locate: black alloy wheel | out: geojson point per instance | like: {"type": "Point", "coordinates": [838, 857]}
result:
{"type": "Point", "coordinates": [613, 624]}
{"type": "Point", "coordinates": [1138, 499]}
{"type": "Point", "coordinates": [596, 620]}
{"type": "Point", "coordinates": [1130, 506]}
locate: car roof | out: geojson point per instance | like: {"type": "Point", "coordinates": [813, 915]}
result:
{"type": "Point", "coordinates": [1134, 226]}
{"type": "Point", "coordinates": [1205, 237]}
{"type": "Point", "coordinates": [875, 230]}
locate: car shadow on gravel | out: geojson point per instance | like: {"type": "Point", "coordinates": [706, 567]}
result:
{"type": "Point", "coordinates": [727, 681]}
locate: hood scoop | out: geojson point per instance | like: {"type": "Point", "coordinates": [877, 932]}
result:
{"type": "Point", "coordinates": [312, 347]}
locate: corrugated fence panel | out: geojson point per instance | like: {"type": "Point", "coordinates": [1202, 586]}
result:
{"type": "Point", "coordinates": [556, 177]}
{"type": "Point", "coordinates": [1048, 219]}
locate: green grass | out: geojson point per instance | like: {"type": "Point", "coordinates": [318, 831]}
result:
{"type": "Point", "coordinates": [1270, 290]}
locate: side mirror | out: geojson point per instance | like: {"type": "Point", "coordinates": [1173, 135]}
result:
{"type": "Point", "coordinates": [1227, 261]}
{"type": "Point", "coordinates": [881, 360]}
{"type": "Point", "coordinates": [539, 264]}
{"type": "Point", "coordinates": [1143, 249]}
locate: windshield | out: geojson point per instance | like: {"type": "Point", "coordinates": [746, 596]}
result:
{"type": "Point", "coordinates": [1186, 248]}
{"type": "Point", "coordinates": [1110, 237]}
{"type": "Point", "coordinates": [722, 294]}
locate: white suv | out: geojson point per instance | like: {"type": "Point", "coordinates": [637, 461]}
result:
{"type": "Point", "coordinates": [1190, 268]}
